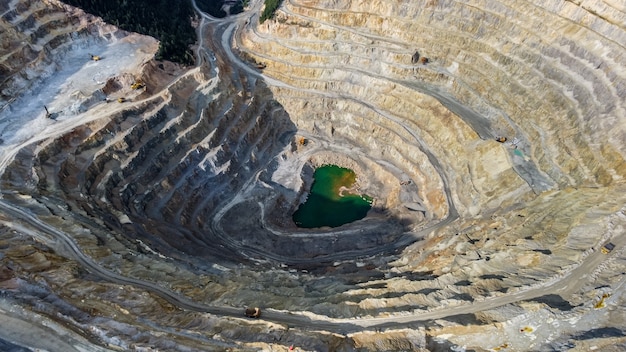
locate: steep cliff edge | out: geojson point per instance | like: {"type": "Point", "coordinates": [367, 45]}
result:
{"type": "Point", "coordinates": [429, 87]}
{"type": "Point", "coordinates": [493, 71]}
{"type": "Point", "coordinates": [146, 204]}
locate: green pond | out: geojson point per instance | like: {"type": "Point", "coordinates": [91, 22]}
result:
{"type": "Point", "coordinates": [326, 206]}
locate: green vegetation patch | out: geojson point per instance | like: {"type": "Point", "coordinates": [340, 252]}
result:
{"type": "Point", "coordinates": [270, 8]}
{"type": "Point", "coordinates": [168, 21]}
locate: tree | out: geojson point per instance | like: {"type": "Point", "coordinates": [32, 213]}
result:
{"type": "Point", "coordinates": [270, 8]}
{"type": "Point", "coordinates": [168, 21]}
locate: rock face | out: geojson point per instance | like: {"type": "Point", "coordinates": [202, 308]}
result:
{"type": "Point", "coordinates": [491, 135]}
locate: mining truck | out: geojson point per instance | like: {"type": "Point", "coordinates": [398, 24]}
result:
{"type": "Point", "coordinates": [607, 248]}
{"type": "Point", "coordinates": [253, 312]}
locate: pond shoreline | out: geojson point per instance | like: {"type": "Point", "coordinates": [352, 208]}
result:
{"type": "Point", "coordinates": [333, 200]}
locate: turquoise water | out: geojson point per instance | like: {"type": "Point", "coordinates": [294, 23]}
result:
{"type": "Point", "coordinates": [325, 206]}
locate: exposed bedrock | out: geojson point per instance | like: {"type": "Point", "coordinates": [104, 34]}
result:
{"type": "Point", "coordinates": [491, 72]}
{"type": "Point", "coordinates": [209, 165]}
{"type": "Point", "coordinates": [491, 135]}
{"type": "Point", "coordinates": [165, 165]}
{"type": "Point", "coordinates": [547, 76]}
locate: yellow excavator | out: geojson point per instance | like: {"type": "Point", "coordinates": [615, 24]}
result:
{"type": "Point", "coordinates": [95, 57]}
{"type": "Point", "coordinates": [137, 85]}
{"type": "Point", "coordinates": [601, 303]}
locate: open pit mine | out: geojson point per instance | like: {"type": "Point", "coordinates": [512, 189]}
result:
{"type": "Point", "coordinates": [148, 206]}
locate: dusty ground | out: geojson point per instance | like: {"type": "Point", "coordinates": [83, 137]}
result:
{"type": "Point", "coordinates": [150, 224]}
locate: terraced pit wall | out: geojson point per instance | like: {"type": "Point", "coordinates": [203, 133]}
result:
{"type": "Point", "coordinates": [187, 187]}
{"type": "Point", "coordinates": [500, 67]}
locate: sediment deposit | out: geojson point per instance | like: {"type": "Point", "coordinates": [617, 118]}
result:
{"type": "Point", "coordinates": [490, 134]}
